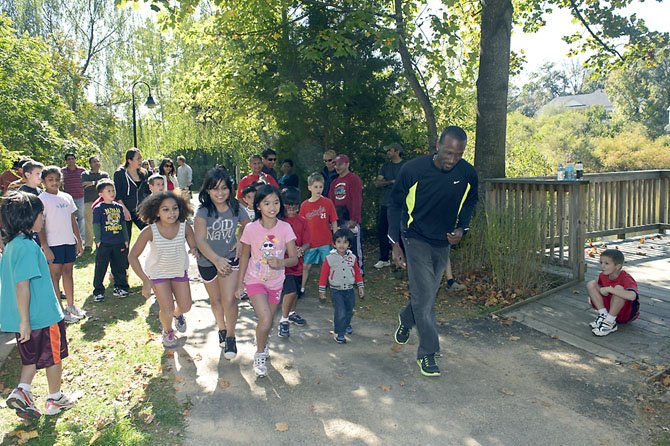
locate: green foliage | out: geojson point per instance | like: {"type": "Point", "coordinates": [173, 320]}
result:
{"type": "Point", "coordinates": [633, 150]}
{"type": "Point", "coordinates": [640, 92]}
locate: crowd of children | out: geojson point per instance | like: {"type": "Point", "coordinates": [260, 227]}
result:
{"type": "Point", "coordinates": [259, 246]}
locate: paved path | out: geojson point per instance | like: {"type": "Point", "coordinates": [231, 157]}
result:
{"type": "Point", "coordinates": [566, 314]}
{"type": "Point", "coordinates": [500, 385]}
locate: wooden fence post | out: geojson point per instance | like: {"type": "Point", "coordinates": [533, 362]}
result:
{"type": "Point", "coordinates": [621, 208]}
{"type": "Point", "coordinates": [577, 225]}
{"type": "Point", "coordinates": [664, 183]}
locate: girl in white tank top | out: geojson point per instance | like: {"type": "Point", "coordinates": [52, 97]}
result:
{"type": "Point", "coordinates": [166, 267]}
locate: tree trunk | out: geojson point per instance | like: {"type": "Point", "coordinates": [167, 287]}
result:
{"type": "Point", "coordinates": [492, 86]}
{"type": "Point", "coordinates": [408, 66]}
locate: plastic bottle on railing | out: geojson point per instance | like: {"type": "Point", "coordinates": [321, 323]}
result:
{"type": "Point", "coordinates": [579, 170]}
{"type": "Point", "coordinates": [569, 171]}
{"type": "Point", "coordinates": [560, 176]}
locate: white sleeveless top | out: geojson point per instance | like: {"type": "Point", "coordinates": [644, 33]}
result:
{"type": "Point", "coordinates": [167, 258]}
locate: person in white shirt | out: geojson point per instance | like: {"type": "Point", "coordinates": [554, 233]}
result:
{"type": "Point", "coordinates": [184, 174]}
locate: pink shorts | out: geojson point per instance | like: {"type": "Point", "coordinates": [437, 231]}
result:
{"type": "Point", "coordinates": [254, 289]}
{"type": "Point", "coordinates": [183, 278]}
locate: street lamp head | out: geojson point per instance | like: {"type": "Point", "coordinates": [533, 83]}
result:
{"type": "Point", "coordinates": [150, 102]}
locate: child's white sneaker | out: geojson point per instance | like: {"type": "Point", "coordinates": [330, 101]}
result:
{"type": "Point", "coordinates": [260, 368]}
{"type": "Point", "coordinates": [22, 402]}
{"type": "Point", "coordinates": [605, 328]}
{"type": "Point", "coordinates": [56, 406]}
{"type": "Point", "coordinates": [598, 321]}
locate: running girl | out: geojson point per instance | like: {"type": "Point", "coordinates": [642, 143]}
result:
{"type": "Point", "coordinates": [262, 264]}
{"type": "Point", "coordinates": [215, 224]}
{"type": "Point", "coordinates": [166, 266]}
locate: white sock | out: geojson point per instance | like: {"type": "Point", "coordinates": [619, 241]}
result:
{"type": "Point", "coordinates": [302, 290]}
{"type": "Point", "coordinates": [291, 313]}
{"type": "Point", "coordinates": [610, 319]}
{"type": "Point", "coordinates": [603, 311]}
{"type": "Point", "coordinates": [283, 319]}
{"type": "Point", "coordinates": [24, 386]}
{"type": "Point", "coordinates": [55, 396]}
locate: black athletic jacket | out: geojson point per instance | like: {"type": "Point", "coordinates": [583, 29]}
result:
{"type": "Point", "coordinates": [428, 203]}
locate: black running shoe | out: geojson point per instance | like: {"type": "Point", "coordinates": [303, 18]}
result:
{"type": "Point", "coordinates": [402, 333]}
{"type": "Point", "coordinates": [428, 366]}
{"type": "Point", "coordinates": [284, 331]}
{"type": "Point", "coordinates": [230, 351]}
{"type": "Point", "coordinates": [222, 338]}
{"type": "Point", "coordinates": [296, 319]}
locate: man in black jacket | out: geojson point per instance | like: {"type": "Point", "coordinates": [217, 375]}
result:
{"type": "Point", "coordinates": [431, 206]}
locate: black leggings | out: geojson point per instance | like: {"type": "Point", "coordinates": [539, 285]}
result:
{"type": "Point", "coordinates": [134, 219]}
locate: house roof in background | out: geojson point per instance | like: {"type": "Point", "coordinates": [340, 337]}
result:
{"type": "Point", "coordinates": [580, 101]}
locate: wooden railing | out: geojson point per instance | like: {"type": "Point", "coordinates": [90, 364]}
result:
{"type": "Point", "coordinates": [598, 205]}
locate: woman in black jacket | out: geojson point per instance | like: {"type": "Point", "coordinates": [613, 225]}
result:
{"type": "Point", "coordinates": [131, 185]}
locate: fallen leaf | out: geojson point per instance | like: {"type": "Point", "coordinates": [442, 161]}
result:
{"type": "Point", "coordinates": [223, 384]}
{"type": "Point", "coordinates": [149, 417]}
{"type": "Point", "coordinates": [24, 436]}
{"type": "Point", "coordinates": [288, 366]}
{"type": "Point", "coordinates": [666, 381]}
{"type": "Point", "coordinates": [385, 387]}
{"type": "Point", "coordinates": [506, 392]}
{"type": "Point", "coordinates": [197, 357]}
{"type": "Point", "coordinates": [95, 437]}
{"type": "Point", "coordinates": [169, 354]}
{"type": "Point", "coordinates": [281, 427]}
{"type": "Point", "coordinates": [649, 409]}
{"type": "Point", "coordinates": [186, 413]}
{"type": "Point", "coordinates": [507, 322]}
{"type": "Point", "coordinates": [396, 348]}
{"type": "Point", "coordinates": [179, 379]}
{"type": "Point", "coordinates": [514, 338]}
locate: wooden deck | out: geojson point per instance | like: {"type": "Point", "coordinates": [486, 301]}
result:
{"type": "Point", "coordinates": [566, 314]}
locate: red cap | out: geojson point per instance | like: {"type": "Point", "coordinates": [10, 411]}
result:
{"type": "Point", "coordinates": [341, 159]}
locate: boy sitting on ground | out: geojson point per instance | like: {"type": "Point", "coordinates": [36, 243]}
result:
{"type": "Point", "coordinates": [614, 295]}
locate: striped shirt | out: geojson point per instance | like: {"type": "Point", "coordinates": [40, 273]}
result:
{"type": "Point", "coordinates": [167, 258]}
{"type": "Point", "coordinates": [72, 182]}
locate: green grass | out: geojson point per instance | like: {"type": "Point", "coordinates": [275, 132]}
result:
{"type": "Point", "coordinates": [119, 367]}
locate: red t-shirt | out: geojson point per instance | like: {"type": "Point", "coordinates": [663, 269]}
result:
{"type": "Point", "coordinates": [319, 214]}
{"type": "Point", "coordinates": [631, 308]}
{"type": "Point", "coordinates": [302, 236]}
{"type": "Point", "coordinates": [249, 179]}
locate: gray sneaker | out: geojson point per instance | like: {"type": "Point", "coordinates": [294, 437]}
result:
{"type": "Point", "coordinates": [260, 368]}
{"type": "Point", "coordinates": [22, 402]}
{"type": "Point", "coordinates": [180, 323]}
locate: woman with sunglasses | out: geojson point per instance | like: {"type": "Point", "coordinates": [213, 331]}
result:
{"type": "Point", "coordinates": [166, 168]}
{"type": "Point", "coordinates": [328, 172]}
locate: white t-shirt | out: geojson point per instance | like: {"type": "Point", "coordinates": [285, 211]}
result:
{"type": "Point", "coordinates": [58, 210]}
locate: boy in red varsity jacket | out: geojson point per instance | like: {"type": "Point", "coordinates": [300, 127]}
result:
{"type": "Point", "coordinates": [614, 295]}
{"type": "Point", "coordinates": [340, 270]}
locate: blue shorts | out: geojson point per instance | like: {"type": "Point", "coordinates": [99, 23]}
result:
{"type": "Point", "coordinates": [63, 254]}
{"type": "Point", "coordinates": [316, 256]}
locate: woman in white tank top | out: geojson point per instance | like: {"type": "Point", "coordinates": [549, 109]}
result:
{"type": "Point", "coordinates": [166, 267]}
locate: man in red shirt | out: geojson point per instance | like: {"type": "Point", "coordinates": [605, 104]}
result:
{"type": "Point", "coordinates": [72, 185]}
{"type": "Point", "coordinates": [256, 164]}
{"type": "Point", "coordinates": [346, 192]}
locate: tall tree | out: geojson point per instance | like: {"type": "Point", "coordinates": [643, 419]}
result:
{"type": "Point", "coordinates": [492, 88]}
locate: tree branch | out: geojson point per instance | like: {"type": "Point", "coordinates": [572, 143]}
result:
{"type": "Point", "coordinates": [593, 34]}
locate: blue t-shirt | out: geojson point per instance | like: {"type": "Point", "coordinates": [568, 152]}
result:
{"type": "Point", "coordinates": [23, 260]}
{"type": "Point", "coordinates": [111, 221]}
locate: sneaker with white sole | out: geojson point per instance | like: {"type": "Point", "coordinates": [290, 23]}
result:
{"type": "Point", "coordinates": [295, 318]}
{"type": "Point", "coordinates": [456, 287]}
{"type": "Point", "coordinates": [605, 328]}
{"type": "Point", "coordinates": [22, 402]}
{"type": "Point", "coordinates": [169, 339]}
{"type": "Point", "coordinates": [598, 321]}
{"type": "Point", "coordinates": [283, 331]}
{"type": "Point", "coordinates": [260, 368]}
{"type": "Point", "coordinates": [382, 264]}
{"type": "Point", "coordinates": [120, 293]}
{"type": "Point", "coordinates": [76, 312]}
{"type": "Point", "coordinates": [230, 350]}
{"type": "Point", "coordinates": [401, 334]}
{"type": "Point", "coordinates": [54, 407]}
{"type": "Point", "coordinates": [180, 323]}
{"type": "Point", "coordinates": [98, 297]}
{"type": "Point", "coordinates": [222, 338]}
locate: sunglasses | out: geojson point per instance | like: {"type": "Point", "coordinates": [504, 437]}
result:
{"type": "Point", "coordinates": [328, 161]}
{"type": "Point", "coordinates": [272, 159]}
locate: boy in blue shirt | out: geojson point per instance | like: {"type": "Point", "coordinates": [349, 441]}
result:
{"type": "Point", "coordinates": [111, 241]}
{"type": "Point", "coordinates": [29, 308]}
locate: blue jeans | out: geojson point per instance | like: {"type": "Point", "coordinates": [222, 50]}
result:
{"type": "Point", "coordinates": [81, 220]}
{"type": "Point", "coordinates": [343, 308]}
{"type": "Point", "coordinates": [425, 266]}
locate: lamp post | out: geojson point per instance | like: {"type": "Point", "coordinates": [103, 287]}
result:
{"type": "Point", "coordinates": [149, 103]}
